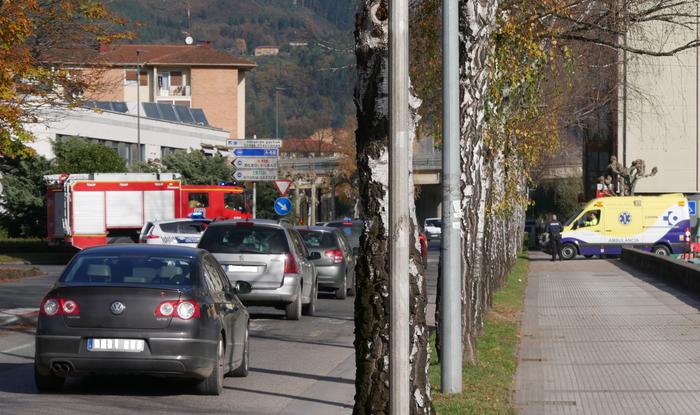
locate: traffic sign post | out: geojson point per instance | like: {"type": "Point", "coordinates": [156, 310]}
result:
{"type": "Point", "coordinates": [261, 163]}
{"type": "Point", "coordinates": [256, 161]}
{"type": "Point", "coordinates": [254, 143]}
{"type": "Point", "coordinates": [255, 175]}
{"type": "Point", "coordinates": [283, 206]}
{"type": "Point", "coordinates": [256, 152]}
{"type": "Point", "coordinates": [283, 186]}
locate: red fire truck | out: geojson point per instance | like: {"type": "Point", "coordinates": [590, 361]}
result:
{"type": "Point", "coordinates": [96, 209]}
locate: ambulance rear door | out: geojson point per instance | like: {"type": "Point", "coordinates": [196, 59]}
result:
{"type": "Point", "coordinates": [623, 225]}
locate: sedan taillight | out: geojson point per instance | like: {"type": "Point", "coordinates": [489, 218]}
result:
{"type": "Point", "coordinates": [184, 309]}
{"type": "Point", "coordinates": [290, 264]}
{"type": "Point", "coordinates": [51, 307]}
{"type": "Point", "coordinates": [336, 255]}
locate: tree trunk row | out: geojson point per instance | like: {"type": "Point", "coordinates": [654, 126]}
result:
{"type": "Point", "coordinates": [372, 270]}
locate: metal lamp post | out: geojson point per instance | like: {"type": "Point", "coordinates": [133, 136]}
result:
{"type": "Point", "coordinates": [138, 106]}
{"type": "Point", "coordinates": [277, 109]}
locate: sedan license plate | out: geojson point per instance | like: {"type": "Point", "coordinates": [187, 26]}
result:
{"type": "Point", "coordinates": [242, 268]}
{"type": "Point", "coordinates": [188, 240]}
{"type": "Point", "coordinates": [115, 345]}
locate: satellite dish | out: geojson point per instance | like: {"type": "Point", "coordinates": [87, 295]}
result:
{"type": "Point", "coordinates": [189, 40]}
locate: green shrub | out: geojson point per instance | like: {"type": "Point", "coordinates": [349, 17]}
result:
{"type": "Point", "coordinates": [30, 245]}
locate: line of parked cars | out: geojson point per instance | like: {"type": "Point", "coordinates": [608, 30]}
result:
{"type": "Point", "coordinates": [175, 305]}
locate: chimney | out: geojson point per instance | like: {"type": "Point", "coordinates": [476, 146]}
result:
{"type": "Point", "coordinates": [206, 44]}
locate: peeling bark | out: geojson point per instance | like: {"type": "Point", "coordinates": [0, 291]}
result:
{"type": "Point", "coordinates": [477, 19]}
{"type": "Point", "coordinates": [372, 271]}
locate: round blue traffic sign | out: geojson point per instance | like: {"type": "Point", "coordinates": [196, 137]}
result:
{"type": "Point", "coordinates": [283, 206]}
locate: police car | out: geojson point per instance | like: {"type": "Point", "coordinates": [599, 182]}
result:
{"type": "Point", "coordinates": [184, 232]}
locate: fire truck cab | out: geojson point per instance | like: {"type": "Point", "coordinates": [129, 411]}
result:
{"type": "Point", "coordinates": [87, 210]}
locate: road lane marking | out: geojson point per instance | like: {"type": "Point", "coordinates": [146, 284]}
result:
{"type": "Point", "coordinates": [14, 349]}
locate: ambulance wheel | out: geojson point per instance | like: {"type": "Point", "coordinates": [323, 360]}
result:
{"type": "Point", "coordinates": [661, 250]}
{"type": "Point", "coordinates": [568, 251]}
{"type": "Point", "coordinates": [588, 256]}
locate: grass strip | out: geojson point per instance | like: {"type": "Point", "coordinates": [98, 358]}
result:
{"type": "Point", "coordinates": [487, 383]}
{"type": "Point", "coordinates": [11, 274]}
{"type": "Point", "coordinates": [37, 258]}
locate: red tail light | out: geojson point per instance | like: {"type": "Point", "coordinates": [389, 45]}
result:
{"type": "Point", "coordinates": [152, 237]}
{"type": "Point", "coordinates": [336, 255]}
{"type": "Point", "coordinates": [184, 310]}
{"type": "Point", "coordinates": [290, 264]}
{"type": "Point", "coordinates": [51, 307]}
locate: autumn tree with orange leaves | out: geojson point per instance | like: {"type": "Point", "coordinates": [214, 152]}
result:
{"type": "Point", "coordinates": [33, 34]}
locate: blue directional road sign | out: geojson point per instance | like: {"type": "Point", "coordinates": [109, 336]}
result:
{"type": "Point", "coordinates": [692, 206]}
{"type": "Point", "coordinates": [283, 206]}
{"type": "Point", "coordinates": [256, 152]}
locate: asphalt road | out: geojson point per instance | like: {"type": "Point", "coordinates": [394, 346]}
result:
{"type": "Point", "coordinates": [297, 367]}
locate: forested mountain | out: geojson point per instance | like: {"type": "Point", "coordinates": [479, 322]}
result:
{"type": "Point", "coordinates": [313, 77]}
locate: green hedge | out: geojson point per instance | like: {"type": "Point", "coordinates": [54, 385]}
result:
{"type": "Point", "coordinates": [30, 245]}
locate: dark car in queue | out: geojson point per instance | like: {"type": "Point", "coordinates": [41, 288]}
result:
{"type": "Point", "coordinates": [142, 309]}
{"type": "Point", "coordinates": [336, 265]}
{"type": "Point", "coordinates": [269, 255]}
{"type": "Point", "coordinates": [352, 229]}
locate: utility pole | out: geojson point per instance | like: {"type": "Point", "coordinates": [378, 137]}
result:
{"type": "Point", "coordinates": [450, 313]}
{"type": "Point", "coordinates": [399, 366]}
{"type": "Point", "coordinates": [332, 198]}
{"type": "Point", "coordinates": [138, 105]}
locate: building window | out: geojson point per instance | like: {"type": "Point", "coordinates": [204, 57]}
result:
{"type": "Point", "coordinates": [127, 151]}
{"type": "Point", "coordinates": [166, 151]}
{"type": "Point", "coordinates": [130, 77]}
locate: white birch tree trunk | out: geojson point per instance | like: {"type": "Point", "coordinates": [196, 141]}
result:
{"type": "Point", "coordinates": [372, 271]}
{"type": "Point", "coordinates": [476, 24]}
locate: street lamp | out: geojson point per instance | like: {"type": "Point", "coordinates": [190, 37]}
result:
{"type": "Point", "coordinates": [277, 109]}
{"type": "Point", "coordinates": [138, 105]}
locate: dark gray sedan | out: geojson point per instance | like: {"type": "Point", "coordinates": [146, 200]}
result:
{"type": "Point", "coordinates": [142, 309]}
{"type": "Point", "coordinates": [335, 262]}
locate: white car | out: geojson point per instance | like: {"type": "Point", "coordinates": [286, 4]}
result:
{"type": "Point", "coordinates": [185, 232]}
{"type": "Point", "coordinates": [433, 228]}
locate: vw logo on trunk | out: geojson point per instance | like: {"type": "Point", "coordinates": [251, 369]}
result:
{"type": "Point", "coordinates": [117, 308]}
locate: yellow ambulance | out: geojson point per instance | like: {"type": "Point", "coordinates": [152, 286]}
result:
{"type": "Point", "coordinates": [654, 223]}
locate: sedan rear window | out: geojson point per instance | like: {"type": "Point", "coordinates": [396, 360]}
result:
{"type": "Point", "coordinates": [352, 231]}
{"type": "Point", "coordinates": [130, 270]}
{"type": "Point", "coordinates": [244, 240]}
{"type": "Point", "coordinates": [189, 227]}
{"type": "Point", "coordinates": [317, 239]}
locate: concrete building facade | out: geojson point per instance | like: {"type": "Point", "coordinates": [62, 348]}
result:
{"type": "Point", "coordinates": [189, 75]}
{"type": "Point", "coordinates": [658, 110]}
{"type": "Point", "coordinates": [119, 131]}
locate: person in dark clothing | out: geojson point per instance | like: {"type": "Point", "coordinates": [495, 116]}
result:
{"type": "Point", "coordinates": [554, 229]}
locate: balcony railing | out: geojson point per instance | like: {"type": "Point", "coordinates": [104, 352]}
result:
{"type": "Point", "coordinates": [175, 91]}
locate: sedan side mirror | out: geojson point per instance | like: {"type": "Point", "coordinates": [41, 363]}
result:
{"type": "Point", "coordinates": [243, 287]}
{"type": "Point", "coordinates": [314, 256]}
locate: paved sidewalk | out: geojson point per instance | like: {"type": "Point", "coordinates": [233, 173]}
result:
{"type": "Point", "coordinates": [598, 338]}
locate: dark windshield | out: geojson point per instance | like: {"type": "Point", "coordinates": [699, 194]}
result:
{"type": "Point", "coordinates": [352, 231]}
{"type": "Point", "coordinates": [130, 270]}
{"type": "Point", "coordinates": [244, 239]}
{"type": "Point", "coordinates": [318, 239]}
{"type": "Point", "coordinates": [433, 222]}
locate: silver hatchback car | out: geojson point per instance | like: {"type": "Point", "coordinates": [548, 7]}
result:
{"type": "Point", "coordinates": [336, 267]}
{"type": "Point", "coordinates": [271, 256]}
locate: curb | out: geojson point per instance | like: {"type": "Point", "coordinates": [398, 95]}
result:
{"type": "Point", "coordinates": [18, 315]}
